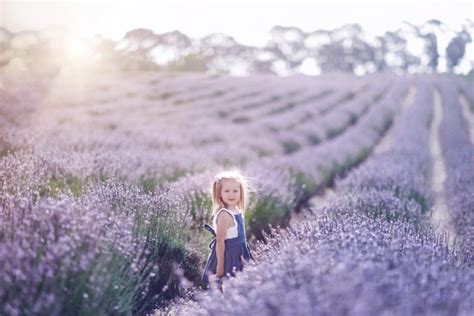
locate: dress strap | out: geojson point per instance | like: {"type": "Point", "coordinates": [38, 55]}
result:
{"type": "Point", "coordinates": [228, 211]}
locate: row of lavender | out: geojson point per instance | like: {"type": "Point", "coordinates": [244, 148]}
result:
{"type": "Point", "coordinates": [146, 147]}
{"type": "Point", "coordinates": [466, 87]}
{"type": "Point", "coordinates": [279, 190]}
{"type": "Point", "coordinates": [284, 182]}
{"type": "Point", "coordinates": [399, 179]}
{"type": "Point", "coordinates": [75, 164]}
{"type": "Point", "coordinates": [371, 252]}
{"type": "Point", "coordinates": [458, 154]}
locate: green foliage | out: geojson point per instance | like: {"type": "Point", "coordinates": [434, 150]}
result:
{"type": "Point", "coordinates": [380, 208]}
{"type": "Point", "coordinates": [5, 152]}
{"type": "Point", "coordinates": [379, 96]}
{"type": "Point", "coordinates": [222, 113]}
{"type": "Point", "coordinates": [124, 289]}
{"type": "Point", "coordinates": [400, 193]}
{"type": "Point", "coordinates": [386, 124]}
{"type": "Point", "coordinates": [241, 119]}
{"type": "Point", "coordinates": [262, 153]}
{"type": "Point", "coordinates": [353, 118]}
{"type": "Point", "coordinates": [353, 161]}
{"type": "Point", "coordinates": [469, 76]}
{"type": "Point", "coordinates": [329, 174]}
{"type": "Point", "coordinates": [117, 289]}
{"type": "Point", "coordinates": [5, 148]}
{"type": "Point", "coordinates": [54, 186]}
{"type": "Point", "coordinates": [290, 146]}
{"type": "Point", "coordinates": [112, 126]}
{"type": "Point", "coordinates": [313, 138]}
{"type": "Point", "coordinates": [347, 97]}
{"type": "Point", "coordinates": [267, 211]}
{"type": "Point", "coordinates": [284, 108]}
{"type": "Point", "coordinates": [197, 206]}
{"type": "Point", "coordinates": [421, 200]}
{"type": "Point", "coordinates": [160, 96]}
{"type": "Point", "coordinates": [164, 252]}
{"type": "Point", "coordinates": [306, 183]}
{"type": "Point", "coordinates": [191, 63]}
{"type": "Point", "coordinates": [333, 132]}
{"type": "Point", "coordinates": [148, 184]}
{"type": "Point", "coordinates": [176, 174]}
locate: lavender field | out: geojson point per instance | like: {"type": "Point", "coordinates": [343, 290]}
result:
{"type": "Point", "coordinates": [363, 200]}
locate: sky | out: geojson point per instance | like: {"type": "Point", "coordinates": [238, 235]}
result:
{"type": "Point", "coordinates": [248, 22]}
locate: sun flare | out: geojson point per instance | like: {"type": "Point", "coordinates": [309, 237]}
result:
{"type": "Point", "coordinates": [77, 49]}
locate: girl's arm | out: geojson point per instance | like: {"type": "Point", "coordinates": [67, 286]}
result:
{"type": "Point", "coordinates": [221, 232]}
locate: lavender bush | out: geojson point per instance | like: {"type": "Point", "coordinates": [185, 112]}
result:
{"type": "Point", "coordinates": [402, 174]}
{"type": "Point", "coordinates": [345, 263]}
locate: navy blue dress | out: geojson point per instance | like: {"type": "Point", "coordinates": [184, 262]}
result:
{"type": "Point", "coordinates": [234, 249]}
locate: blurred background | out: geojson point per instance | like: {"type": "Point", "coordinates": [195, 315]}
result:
{"type": "Point", "coordinates": [237, 38]}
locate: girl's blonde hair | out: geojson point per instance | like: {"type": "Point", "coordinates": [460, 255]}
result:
{"type": "Point", "coordinates": [216, 188]}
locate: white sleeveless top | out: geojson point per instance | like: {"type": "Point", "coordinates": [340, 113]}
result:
{"type": "Point", "coordinates": [232, 232]}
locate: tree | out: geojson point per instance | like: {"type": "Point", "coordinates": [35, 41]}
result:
{"type": "Point", "coordinates": [191, 63]}
{"type": "Point", "coordinates": [394, 54]}
{"type": "Point", "coordinates": [456, 49]}
{"type": "Point", "coordinates": [427, 32]}
{"type": "Point", "coordinates": [345, 50]}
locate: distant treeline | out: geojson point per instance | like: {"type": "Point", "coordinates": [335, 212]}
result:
{"type": "Point", "coordinates": [289, 50]}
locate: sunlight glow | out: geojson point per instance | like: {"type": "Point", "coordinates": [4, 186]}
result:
{"type": "Point", "coordinates": [77, 49]}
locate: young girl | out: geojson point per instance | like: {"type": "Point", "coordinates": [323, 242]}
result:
{"type": "Point", "coordinates": [230, 250]}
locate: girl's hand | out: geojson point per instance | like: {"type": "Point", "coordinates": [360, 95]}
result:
{"type": "Point", "coordinates": [243, 260]}
{"type": "Point", "coordinates": [220, 272]}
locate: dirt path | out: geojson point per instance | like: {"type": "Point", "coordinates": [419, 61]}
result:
{"type": "Point", "coordinates": [440, 218]}
{"type": "Point", "coordinates": [468, 116]}
{"type": "Point", "coordinates": [317, 201]}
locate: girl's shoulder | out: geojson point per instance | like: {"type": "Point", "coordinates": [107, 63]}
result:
{"type": "Point", "coordinates": [230, 212]}
{"type": "Point", "coordinates": [225, 211]}
{"type": "Point", "coordinates": [222, 210]}
{"type": "Point", "coordinates": [237, 212]}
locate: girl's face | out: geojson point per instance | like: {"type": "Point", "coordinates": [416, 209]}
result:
{"type": "Point", "coordinates": [230, 192]}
